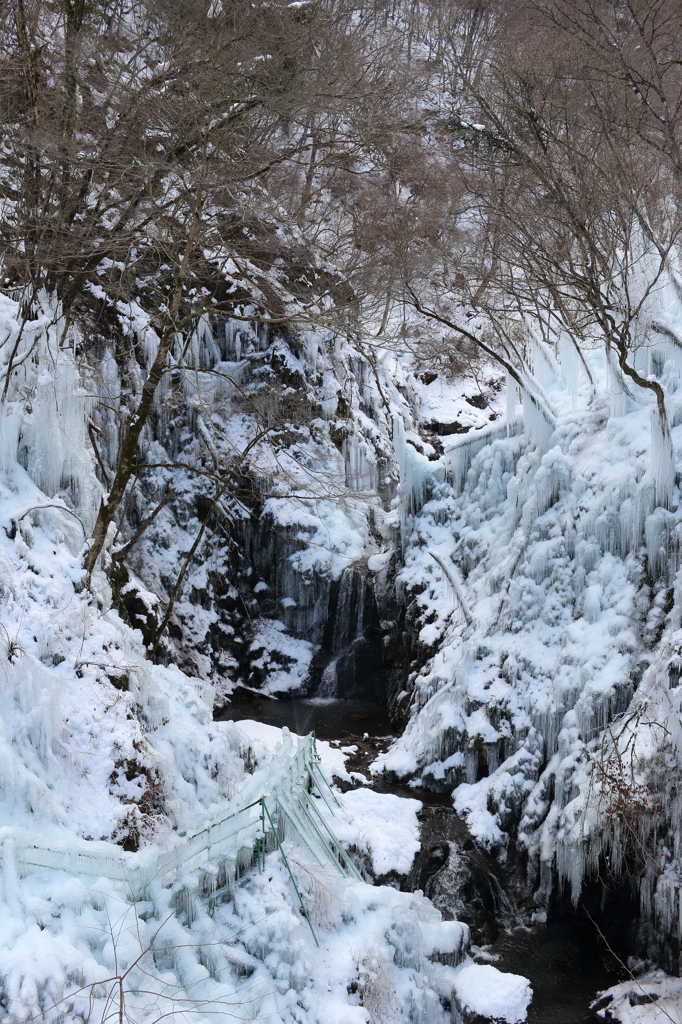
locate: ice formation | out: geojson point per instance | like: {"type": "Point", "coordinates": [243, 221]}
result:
{"type": "Point", "coordinates": [542, 555]}
{"type": "Point", "coordinates": [565, 532]}
{"type": "Point", "coordinates": [304, 418]}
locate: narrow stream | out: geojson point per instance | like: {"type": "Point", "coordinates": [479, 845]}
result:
{"type": "Point", "coordinates": [563, 960]}
{"type": "Point", "coordinates": [565, 964]}
{"type": "Point", "coordinates": [330, 719]}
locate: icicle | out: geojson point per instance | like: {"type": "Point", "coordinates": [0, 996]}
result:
{"type": "Point", "coordinates": [592, 606]}
{"type": "Point", "coordinates": [571, 367]}
{"type": "Point", "coordinates": [545, 367]}
{"type": "Point", "coordinates": [149, 342]}
{"type": "Point", "coordinates": [671, 357]}
{"type": "Point", "coordinates": [55, 437]}
{"type": "Point", "coordinates": [417, 473]}
{"type": "Point", "coordinates": [551, 478]}
{"type": "Point", "coordinates": [329, 395]}
{"type": "Point", "coordinates": [536, 420]}
{"type": "Point", "coordinates": [661, 544]}
{"type": "Point", "coordinates": [9, 440]}
{"type": "Point", "coordinates": [399, 443]}
{"type": "Point", "coordinates": [204, 350]}
{"type": "Point", "coordinates": [512, 401]}
{"type": "Point", "coordinates": [533, 386]}
{"type": "Point", "coordinates": [615, 386]}
{"type": "Point", "coordinates": [458, 458]}
{"type": "Point", "coordinates": [663, 459]}
{"type": "Point", "coordinates": [459, 455]}
{"type": "Point", "coordinates": [642, 357]}
{"type": "Point", "coordinates": [361, 469]}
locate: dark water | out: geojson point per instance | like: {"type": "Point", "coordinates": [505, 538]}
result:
{"type": "Point", "coordinates": [427, 796]}
{"type": "Point", "coordinates": [330, 719]}
{"type": "Point", "coordinates": [566, 965]}
{"type": "Point", "coordinates": [564, 961]}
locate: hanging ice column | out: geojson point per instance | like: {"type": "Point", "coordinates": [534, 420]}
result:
{"type": "Point", "coordinates": [539, 415]}
{"type": "Point", "coordinates": [538, 421]}
{"type": "Point", "coordinates": [459, 454]}
{"type": "Point", "coordinates": [571, 367]}
{"type": "Point", "coordinates": [662, 454]}
{"type": "Point", "coordinates": [45, 410]}
{"type": "Point", "coordinates": [417, 473]}
{"type": "Point", "coordinates": [616, 387]}
{"type": "Point", "coordinates": [545, 367]}
{"type": "Point", "coordinates": [663, 458]}
{"type": "Point", "coordinates": [361, 469]}
{"type": "Point", "coordinates": [512, 400]}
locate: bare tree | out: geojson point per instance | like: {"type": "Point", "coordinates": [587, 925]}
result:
{"type": "Point", "coordinates": [552, 199]}
{"type": "Point", "coordinates": [153, 147]}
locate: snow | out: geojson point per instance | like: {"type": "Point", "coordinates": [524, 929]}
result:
{"type": "Point", "coordinates": [482, 989]}
{"type": "Point", "coordinates": [269, 737]}
{"type": "Point", "coordinates": [375, 563]}
{"type": "Point", "coordinates": [386, 825]}
{"type": "Point", "coordinates": [284, 658]}
{"type": "Point", "coordinates": [650, 998]}
{"type": "Point", "coordinates": [334, 536]}
{"type": "Point", "coordinates": [446, 402]}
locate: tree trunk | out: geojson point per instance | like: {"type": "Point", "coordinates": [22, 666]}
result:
{"type": "Point", "coordinates": [126, 460]}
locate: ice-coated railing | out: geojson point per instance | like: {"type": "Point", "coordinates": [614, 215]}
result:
{"type": "Point", "coordinates": [221, 850]}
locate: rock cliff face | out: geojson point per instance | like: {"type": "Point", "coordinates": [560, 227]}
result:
{"type": "Point", "coordinates": [277, 595]}
{"type": "Point", "coordinates": [292, 586]}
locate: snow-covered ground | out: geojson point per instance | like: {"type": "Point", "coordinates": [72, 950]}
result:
{"type": "Point", "coordinates": [484, 990]}
{"type": "Point", "coordinates": [651, 998]}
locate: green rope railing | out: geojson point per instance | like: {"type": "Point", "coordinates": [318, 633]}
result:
{"type": "Point", "coordinates": [223, 841]}
{"type": "Point", "coordinates": [288, 867]}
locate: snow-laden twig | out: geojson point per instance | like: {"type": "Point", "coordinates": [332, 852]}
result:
{"type": "Point", "coordinates": [451, 575]}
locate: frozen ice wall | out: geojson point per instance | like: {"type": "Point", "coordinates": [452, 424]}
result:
{"type": "Point", "coordinates": [564, 540]}
{"type": "Point", "coordinates": [314, 416]}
